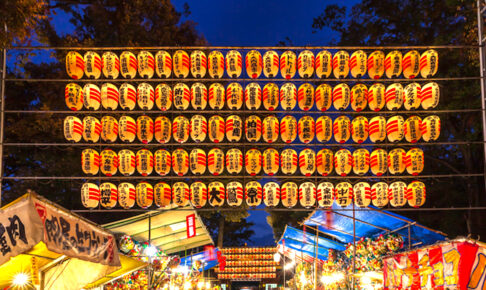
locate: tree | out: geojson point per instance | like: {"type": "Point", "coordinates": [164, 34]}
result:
{"type": "Point", "coordinates": [237, 230]}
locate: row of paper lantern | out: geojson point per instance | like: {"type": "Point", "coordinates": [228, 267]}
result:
{"type": "Point", "coordinates": [247, 276]}
{"type": "Point", "coordinates": [359, 129]}
{"type": "Point", "coordinates": [341, 64]}
{"type": "Point", "coordinates": [270, 161]}
{"type": "Point", "coordinates": [247, 263]}
{"type": "Point", "coordinates": [247, 251]}
{"type": "Point", "coordinates": [216, 194]}
{"type": "Point", "coordinates": [341, 96]}
{"type": "Point", "coordinates": [260, 269]}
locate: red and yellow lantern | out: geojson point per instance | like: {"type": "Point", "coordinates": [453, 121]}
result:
{"type": "Point", "coordinates": [358, 63]}
{"type": "Point", "coordinates": [73, 95]}
{"type": "Point", "coordinates": [343, 162]}
{"type": "Point", "coordinates": [199, 63]}
{"type": "Point", "coordinates": [73, 129]}
{"type": "Point", "coordinates": [342, 129]}
{"type": "Point", "coordinates": [182, 96]}
{"type": "Point", "coordinates": [307, 162]}
{"type": "Point", "coordinates": [234, 161]}
{"type": "Point", "coordinates": [379, 162]}
{"type": "Point", "coordinates": [429, 63]}
{"type": "Point", "coordinates": [109, 96]}
{"type": "Point", "coordinates": [271, 194]}
{"type": "Point", "coordinates": [430, 95]}
{"type": "Point", "coordinates": [163, 64]}
{"type": "Point", "coordinates": [377, 129]}
{"type": "Point", "coordinates": [126, 195]}
{"type": "Point", "coordinates": [162, 162]}
{"type": "Point", "coordinates": [91, 129]}
{"type": "Point", "coordinates": [394, 96]}
{"type": "Point", "coordinates": [254, 64]}
{"type": "Point", "coordinates": [197, 161]}
{"type": "Point", "coordinates": [234, 63]}
{"type": "Point", "coordinates": [340, 64]}
{"type": "Point", "coordinates": [288, 64]}
{"type": "Point", "coordinates": [181, 64]}
{"type": "Point", "coordinates": [416, 194]}
{"type": "Point", "coordinates": [393, 64]}
{"type": "Point", "coordinates": [216, 64]}
{"type": "Point", "coordinates": [217, 96]}
{"type": "Point", "coordinates": [323, 96]}
{"type": "Point", "coordinates": [394, 128]}
{"type": "Point", "coordinates": [216, 193]}
{"type": "Point", "coordinates": [362, 194]}
{"type": "Point", "coordinates": [325, 194]}
{"type": "Point", "coordinates": [288, 161]}
{"type": "Point", "coordinates": [108, 195]}
{"type": "Point", "coordinates": [253, 128]}
{"type": "Point", "coordinates": [305, 64]}
{"type": "Point", "coordinates": [127, 129]}
{"type": "Point", "coordinates": [270, 64]}
{"type": "Point", "coordinates": [146, 64]}
{"type": "Point", "coordinates": [397, 194]}
{"type": "Point", "coordinates": [270, 129]}
{"type": "Point", "coordinates": [410, 64]}
{"type": "Point", "coordinates": [270, 96]}
{"type": "Point", "coordinates": [163, 97]}
{"type": "Point", "coordinates": [379, 194]}
{"type": "Point", "coordinates": [396, 161]}
{"type": "Point", "coordinates": [253, 161]}
{"type": "Point", "coordinates": [414, 161]}
{"type": "Point", "coordinates": [126, 162]}
{"type": "Point", "coordinates": [180, 162]}
{"type": "Point", "coordinates": [111, 65]}
{"type": "Point", "coordinates": [91, 97]}
{"type": "Point", "coordinates": [128, 96]}
{"type": "Point", "coordinates": [253, 193]}
{"type": "Point", "coordinates": [341, 96]}
{"type": "Point", "coordinates": [323, 129]}
{"type": "Point", "coordinates": [271, 161]}
{"type": "Point", "coordinates": [199, 128]}
{"type": "Point", "coordinates": [145, 129]}
{"type": "Point", "coordinates": [343, 194]}
{"type": "Point", "coordinates": [376, 97]}
{"type": "Point", "coordinates": [376, 64]}
{"type": "Point", "coordinates": [109, 162]}
{"type": "Point", "coordinates": [325, 162]}
{"type": "Point", "coordinates": [216, 128]}
{"type": "Point", "coordinates": [180, 194]}
{"type": "Point", "coordinates": [74, 65]}
{"type": "Point", "coordinates": [216, 161]}
{"type": "Point", "coordinates": [145, 162]}
{"type": "Point", "coordinates": [305, 96]}
{"type": "Point", "coordinates": [128, 65]}
{"type": "Point", "coordinates": [234, 96]}
{"type": "Point", "coordinates": [430, 128]}
{"type": "Point", "coordinates": [145, 96]}
{"type": "Point", "coordinates": [288, 129]}
{"type": "Point", "coordinates": [359, 129]}
{"type": "Point", "coordinates": [289, 194]}
{"type": "Point", "coordinates": [288, 96]}
{"type": "Point", "coordinates": [163, 129]}
{"type": "Point", "coordinates": [412, 129]}
{"type": "Point", "coordinates": [323, 64]}
{"type": "Point", "coordinates": [90, 161]}
{"type": "Point", "coordinates": [199, 194]}
{"type": "Point", "coordinates": [361, 161]}
{"type": "Point", "coordinates": [234, 193]}
{"type": "Point", "coordinates": [234, 128]}
{"type": "Point", "coordinates": [411, 96]}
{"type": "Point", "coordinates": [90, 195]}
{"type": "Point", "coordinates": [162, 195]}
{"type": "Point", "coordinates": [253, 96]}
{"type": "Point", "coordinates": [359, 97]}
{"type": "Point", "coordinates": [306, 129]}
{"type": "Point", "coordinates": [180, 129]}
{"type": "Point", "coordinates": [199, 96]}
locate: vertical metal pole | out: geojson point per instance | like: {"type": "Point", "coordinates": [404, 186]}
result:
{"type": "Point", "coordinates": [354, 247]}
{"type": "Point", "coordinates": [316, 247]}
{"type": "Point", "coordinates": [285, 263]}
{"type": "Point", "coordinates": [481, 74]}
{"type": "Point", "coordinates": [2, 112]}
{"type": "Point", "coordinates": [149, 284]}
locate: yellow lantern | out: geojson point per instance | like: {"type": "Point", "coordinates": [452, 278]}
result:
{"type": "Point", "coordinates": [394, 128]}
{"type": "Point", "coordinates": [180, 194]}
{"type": "Point", "coordinates": [91, 129]}
{"type": "Point", "coordinates": [198, 64]}
{"type": "Point", "coordinates": [306, 129]}
{"type": "Point", "coordinates": [109, 162]}
{"type": "Point", "coordinates": [127, 96]}
{"type": "Point", "coordinates": [340, 64]}
{"type": "Point", "coordinates": [359, 129]}
{"type": "Point", "coordinates": [199, 96]}
{"type": "Point", "coordinates": [429, 63]}
{"type": "Point", "coordinates": [414, 160]}
{"type": "Point", "coordinates": [323, 129]}
{"type": "Point", "coordinates": [145, 162]}
{"type": "Point", "coordinates": [342, 129]}
{"type": "Point", "coordinates": [307, 162]}
{"type": "Point", "coordinates": [253, 128]}
{"type": "Point", "coordinates": [182, 96]}
{"type": "Point", "coordinates": [396, 161]}
{"type": "Point", "coordinates": [128, 65]}
{"type": "Point", "coordinates": [90, 161]}
{"type": "Point", "coordinates": [307, 194]}
{"type": "Point", "coordinates": [216, 161]}
{"type": "Point", "coordinates": [126, 162]}
{"type": "Point", "coordinates": [289, 194]}
{"type": "Point", "coordinates": [234, 128]}
{"type": "Point", "coordinates": [379, 194]}
{"type": "Point", "coordinates": [199, 194]}
{"type": "Point", "coordinates": [197, 161]}
{"type": "Point", "coordinates": [254, 64]}
{"type": "Point", "coordinates": [362, 194]}
{"type": "Point", "coordinates": [216, 64]}
{"type": "Point", "coordinates": [288, 61]}
{"type": "Point", "coordinates": [361, 161]}
{"type": "Point", "coordinates": [253, 193]}
{"type": "Point", "coordinates": [412, 129]}
{"type": "Point", "coordinates": [376, 97]}
{"type": "Point", "coordinates": [163, 97]}
{"type": "Point", "coordinates": [108, 195]}
{"type": "Point", "coordinates": [325, 194]}
{"type": "Point", "coordinates": [109, 96]}
{"type": "Point", "coordinates": [73, 129]}
{"type": "Point", "coordinates": [73, 94]}
{"type": "Point", "coordinates": [217, 96]}
{"type": "Point", "coordinates": [199, 128]}
{"type": "Point", "coordinates": [323, 64]}
{"type": "Point", "coordinates": [431, 128]}
{"type": "Point", "coordinates": [288, 96]}
{"type": "Point", "coordinates": [323, 96]}
{"type": "Point", "coordinates": [416, 194]}
{"type": "Point", "coordinates": [216, 193]}
{"type": "Point", "coordinates": [397, 194]}
{"type": "Point", "coordinates": [234, 96]}
{"type": "Point", "coordinates": [180, 129]}
{"type": "Point", "coordinates": [253, 96]}
{"type": "Point", "coordinates": [288, 129]}
{"type": "Point", "coordinates": [111, 65]}
{"type": "Point", "coordinates": [234, 63]}
{"type": "Point", "coordinates": [393, 64]}
{"type": "Point", "coordinates": [180, 162]}
{"type": "Point", "coordinates": [74, 65]}
{"type": "Point", "coordinates": [341, 97]}
{"type": "Point", "coordinates": [163, 64]}
{"type": "Point", "coordinates": [410, 64]}
{"type": "Point", "coordinates": [325, 162]}
{"type": "Point", "coordinates": [270, 129]}
{"type": "Point", "coordinates": [359, 97]}
{"type": "Point", "coordinates": [343, 194]}
{"type": "Point", "coordinates": [377, 129]}
{"type": "Point", "coordinates": [411, 96]}
{"type": "Point", "coordinates": [271, 194]}
{"type": "Point", "coordinates": [91, 97]}
{"type": "Point", "coordinates": [271, 161]}
{"type": "Point", "coordinates": [90, 195]}
{"type": "Point", "coordinates": [145, 96]}
{"type": "Point", "coordinates": [163, 129]}
{"type": "Point", "coordinates": [288, 161]}
{"type": "Point", "coordinates": [270, 64]}
{"type": "Point", "coordinates": [305, 96]}
{"type": "Point", "coordinates": [146, 64]}
{"type": "Point", "coordinates": [216, 128]}
{"type": "Point", "coordinates": [181, 64]}
{"type": "Point", "coordinates": [305, 64]}
{"type": "Point", "coordinates": [162, 194]}
{"type": "Point", "coordinates": [358, 63]}
{"type": "Point", "coordinates": [394, 96]}
{"type": "Point", "coordinates": [343, 162]}
{"type": "Point", "coordinates": [162, 162]}
{"type": "Point", "coordinates": [270, 96]}
{"type": "Point", "coordinates": [126, 195]}
{"type": "Point", "coordinates": [234, 193]}
{"type": "Point", "coordinates": [379, 162]}
{"type": "Point", "coordinates": [376, 66]}
{"type": "Point", "coordinates": [145, 129]}
{"type": "Point", "coordinates": [234, 161]}
{"type": "Point", "coordinates": [253, 162]}
{"type": "Point", "coordinates": [430, 95]}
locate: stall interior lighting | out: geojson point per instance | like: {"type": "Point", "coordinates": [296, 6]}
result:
{"type": "Point", "coordinates": [20, 279]}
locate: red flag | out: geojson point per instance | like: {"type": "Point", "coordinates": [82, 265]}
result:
{"type": "Point", "coordinates": [191, 225]}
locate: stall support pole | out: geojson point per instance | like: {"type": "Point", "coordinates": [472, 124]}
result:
{"type": "Point", "coordinates": [2, 114]}
{"type": "Point", "coordinates": [316, 247]}
{"type": "Point", "coordinates": [354, 246]}
{"type": "Point", "coordinates": [149, 286]}
{"type": "Point", "coordinates": [482, 80]}
{"type": "Point", "coordinates": [284, 262]}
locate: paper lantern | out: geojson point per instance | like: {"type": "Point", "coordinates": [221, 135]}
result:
{"type": "Point", "coordinates": [343, 194]}
{"type": "Point", "coordinates": [341, 97]}
{"type": "Point", "coordinates": [379, 194]}
{"type": "Point", "coordinates": [288, 161]}
{"type": "Point", "coordinates": [359, 97]}
{"type": "Point", "coordinates": [253, 193]}
{"type": "Point", "coordinates": [126, 162]}
{"type": "Point", "coordinates": [323, 129]}
{"type": "Point", "coordinates": [379, 162]}
{"type": "Point", "coordinates": [180, 194]}
{"type": "Point", "coordinates": [145, 162]}
{"type": "Point", "coordinates": [91, 97]}
{"type": "Point", "coordinates": [234, 63]}
{"type": "Point", "coordinates": [234, 128]}
{"type": "Point", "coordinates": [361, 161]}
{"type": "Point", "coordinates": [162, 162]}
{"type": "Point", "coordinates": [126, 195]}
{"type": "Point", "coordinates": [128, 65]}
{"type": "Point", "coordinates": [397, 193]}
{"type": "Point", "coordinates": [73, 129]}
{"type": "Point", "coordinates": [253, 128]}
{"type": "Point", "coordinates": [180, 129]}
{"type": "Point", "coordinates": [90, 161]}
{"type": "Point", "coordinates": [109, 162]}
{"type": "Point", "coordinates": [90, 195]}
{"type": "Point", "coordinates": [305, 96]}
{"type": "Point", "coordinates": [416, 194]}
{"type": "Point", "coordinates": [325, 162]}
{"type": "Point", "coordinates": [216, 193]}
{"type": "Point", "coordinates": [307, 162]}
{"type": "Point", "coordinates": [91, 129]}
{"type": "Point", "coordinates": [270, 96]}
{"type": "Point", "coordinates": [216, 128]}
{"type": "Point", "coordinates": [394, 128]}
{"type": "Point", "coordinates": [253, 63]}
{"type": "Point", "coordinates": [271, 161]}
{"type": "Point", "coordinates": [288, 96]}
{"type": "Point", "coordinates": [109, 96]}
{"type": "Point", "coordinates": [270, 64]}
{"type": "Point", "coordinates": [216, 96]}
{"type": "Point", "coordinates": [145, 96]}
{"type": "Point", "coordinates": [430, 95]}
{"type": "Point", "coordinates": [362, 194]}
{"type": "Point", "coordinates": [411, 96]}
{"type": "Point", "coordinates": [128, 96]}
{"type": "Point", "coordinates": [108, 195]}
{"type": "Point", "coordinates": [253, 96]}
{"type": "Point", "coordinates": [234, 161]}
{"type": "Point", "coordinates": [234, 96]}
{"type": "Point", "coordinates": [180, 162]}
{"type": "Point", "coordinates": [146, 64]}
{"type": "Point", "coordinates": [216, 161]}
{"type": "Point", "coordinates": [73, 95]}
{"type": "Point", "coordinates": [270, 129]}
{"type": "Point", "coordinates": [182, 96]}
{"type": "Point", "coordinates": [359, 129]}
{"type": "Point", "coordinates": [393, 64]}
{"type": "Point", "coordinates": [198, 64]}
{"type": "Point", "coordinates": [271, 194]}
{"type": "Point", "coordinates": [429, 63]}
{"type": "Point", "coordinates": [163, 97]}
{"type": "Point", "coordinates": [343, 162]}
{"type": "Point", "coordinates": [414, 161]}
{"type": "Point", "coordinates": [199, 96]}
{"type": "Point", "coordinates": [430, 128]}
{"type": "Point", "coordinates": [342, 129]}
{"type": "Point", "coordinates": [410, 64]}
{"type": "Point", "coordinates": [340, 64]}
{"type": "Point", "coordinates": [323, 96]}
{"type": "Point", "coordinates": [253, 162]}
{"type": "Point", "coordinates": [199, 194]}
{"type": "Point", "coordinates": [181, 64]}
{"type": "Point", "coordinates": [376, 64]}
{"type": "Point", "coordinates": [396, 161]}
{"type": "Point", "coordinates": [74, 65]}
{"type": "Point", "coordinates": [163, 64]}
{"type": "Point", "coordinates": [288, 129]}
{"type": "Point", "coordinates": [162, 194]}
{"type": "Point", "coordinates": [145, 129]}
{"type": "Point", "coordinates": [325, 194]}
{"type": "Point", "coordinates": [111, 65]}
{"type": "Point", "coordinates": [358, 63]}
{"type": "Point", "coordinates": [323, 64]}
{"type": "Point", "coordinates": [163, 128]}
{"type": "Point", "coordinates": [306, 129]}
{"type": "Point", "coordinates": [197, 161]}
{"type": "Point", "coordinates": [234, 193]}
{"type": "Point", "coordinates": [377, 129]}
{"type": "Point", "coordinates": [376, 97]}
{"type": "Point", "coordinates": [288, 62]}
{"type": "Point", "coordinates": [198, 128]}
{"type": "Point", "coordinates": [305, 64]}
{"type": "Point", "coordinates": [289, 194]}
{"type": "Point", "coordinates": [216, 64]}
{"type": "Point", "coordinates": [394, 96]}
{"type": "Point", "coordinates": [412, 129]}
{"type": "Point", "coordinates": [307, 194]}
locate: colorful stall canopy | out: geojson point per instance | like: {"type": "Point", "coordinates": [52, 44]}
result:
{"type": "Point", "coordinates": [202, 257]}
{"type": "Point", "coordinates": [370, 222]}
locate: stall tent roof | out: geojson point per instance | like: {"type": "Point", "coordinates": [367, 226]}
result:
{"type": "Point", "coordinates": [202, 257]}
{"type": "Point", "coordinates": [168, 229]}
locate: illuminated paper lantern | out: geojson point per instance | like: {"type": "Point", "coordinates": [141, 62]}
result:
{"type": "Point", "coordinates": [109, 96]}
{"type": "Point", "coordinates": [325, 162]}
{"type": "Point", "coordinates": [217, 96]}
{"type": "Point", "coordinates": [323, 129]}
{"type": "Point", "coordinates": [288, 161]}
{"type": "Point", "coordinates": [253, 193]}
{"type": "Point", "coordinates": [323, 64]}
{"type": "Point", "coordinates": [182, 96]}
{"type": "Point", "coordinates": [163, 97]}
{"type": "Point", "coordinates": [396, 161]}
{"type": "Point", "coordinates": [394, 128]}
{"type": "Point", "coordinates": [376, 64]}
{"type": "Point", "coordinates": [146, 64]}
{"type": "Point", "coordinates": [379, 194]}
{"type": "Point", "coordinates": [341, 97]}
{"type": "Point", "coordinates": [362, 194]}
{"type": "Point", "coordinates": [412, 129]}
{"type": "Point", "coordinates": [163, 129]}
{"type": "Point", "coordinates": [307, 162]}
{"type": "Point", "coordinates": [325, 194]}
{"type": "Point", "coordinates": [197, 161]}
{"type": "Point", "coordinates": [305, 96]}
{"type": "Point", "coordinates": [361, 161]}
{"type": "Point", "coordinates": [430, 95]}
{"type": "Point", "coordinates": [90, 161]}
{"type": "Point", "coordinates": [358, 63]}
{"type": "Point", "coordinates": [126, 195]}
{"type": "Point", "coordinates": [128, 96]}
{"type": "Point", "coordinates": [216, 64]}
{"type": "Point", "coordinates": [271, 161]}
{"type": "Point", "coordinates": [289, 194]}
{"type": "Point", "coordinates": [109, 162]}
{"type": "Point", "coordinates": [128, 65]}
{"type": "Point", "coordinates": [410, 64]}
{"type": "Point", "coordinates": [180, 162]}
{"type": "Point", "coordinates": [397, 194]}
{"type": "Point", "coordinates": [253, 162]}
{"type": "Point", "coordinates": [73, 95]}
{"type": "Point", "coordinates": [234, 128]}
{"type": "Point", "coordinates": [340, 64]}
{"type": "Point", "coordinates": [163, 64]}
{"type": "Point", "coordinates": [270, 64]}
{"type": "Point", "coordinates": [288, 96]}
{"type": "Point", "coordinates": [253, 128]}
{"type": "Point", "coordinates": [270, 129]}
{"type": "Point", "coordinates": [430, 128]}
{"type": "Point", "coordinates": [394, 96]}
{"type": "Point", "coordinates": [91, 97]}
{"type": "Point", "coordinates": [343, 194]}
{"type": "Point", "coordinates": [411, 96]}
{"type": "Point", "coordinates": [393, 64]}
{"type": "Point", "coordinates": [254, 64]}
{"type": "Point", "coordinates": [305, 64]}
{"type": "Point", "coordinates": [216, 161]}
{"type": "Point", "coordinates": [234, 193]}
{"type": "Point", "coordinates": [180, 129]}
{"type": "Point", "coordinates": [323, 96]}
{"type": "Point", "coordinates": [376, 97]}
{"type": "Point", "coordinates": [359, 97]}
{"type": "Point", "coordinates": [216, 128]}
{"type": "Point", "coordinates": [198, 64]}
{"type": "Point", "coordinates": [270, 96]}
{"type": "Point", "coordinates": [180, 194]}
{"type": "Point", "coordinates": [111, 65]}
{"type": "Point", "coordinates": [306, 129]}
{"type": "Point", "coordinates": [416, 194]}
{"type": "Point", "coordinates": [145, 129]}
{"type": "Point", "coordinates": [108, 195]}
{"type": "Point", "coordinates": [234, 63]}
{"type": "Point", "coordinates": [199, 194]}
{"type": "Point", "coordinates": [271, 194]}
{"type": "Point", "coordinates": [377, 129]}
{"type": "Point", "coordinates": [180, 64]}
{"type": "Point", "coordinates": [199, 96]}
{"type": "Point", "coordinates": [378, 162]}
{"type": "Point", "coordinates": [359, 129]}
{"type": "Point", "coordinates": [199, 128]}
{"type": "Point", "coordinates": [90, 195]}
{"type": "Point", "coordinates": [307, 194]}
{"type": "Point", "coordinates": [91, 129]}
{"type": "Point", "coordinates": [342, 129]}
{"type": "Point", "coordinates": [73, 129]}
{"type": "Point", "coordinates": [288, 129]}
{"type": "Point", "coordinates": [253, 96]}
{"type": "Point", "coordinates": [414, 161]}
{"type": "Point", "coordinates": [216, 193]}
{"type": "Point", "coordinates": [162, 194]}
{"type": "Point", "coordinates": [74, 65]}
{"type": "Point", "coordinates": [234, 96]}
{"type": "Point", "coordinates": [234, 161]}
{"type": "Point", "coordinates": [162, 162]}
{"type": "Point", "coordinates": [288, 64]}
{"type": "Point", "coordinates": [145, 162]}
{"type": "Point", "coordinates": [343, 162]}
{"type": "Point", "coordinates": [429, 63]}
{"type": "Point", "coordinates": [126, 162]}
{"type": "Point", "coordinates": [145, 96]}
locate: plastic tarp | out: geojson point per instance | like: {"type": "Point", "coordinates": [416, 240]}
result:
{"type": "Point", "coordinates": [202, 257]}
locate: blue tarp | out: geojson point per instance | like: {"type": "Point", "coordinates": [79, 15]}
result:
{"type": "Point", "coordinates": [187, 260]}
